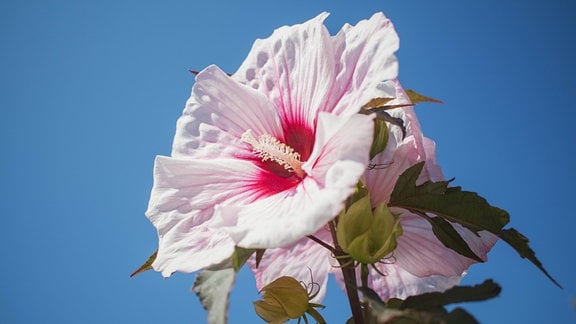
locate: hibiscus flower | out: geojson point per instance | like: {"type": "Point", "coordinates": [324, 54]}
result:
{"type": "Point", "coordinates": [268, 155]}
{"type": "Point", "coordinates": [420, 263]}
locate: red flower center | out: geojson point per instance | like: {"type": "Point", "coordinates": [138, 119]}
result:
{"type": "Point", "coordinates": [280, 160]}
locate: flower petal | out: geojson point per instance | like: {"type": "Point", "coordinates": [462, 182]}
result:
{"type": "Point", "coordinates": [389, 165]}
{"type": "Point", "coordinates": [294, 67]}
{"type": "Point", "coordinates": [338, 160]}
{"type": "Point", "coordinates": [304, 260]}
{"type": "Point", "coordinates": [181, 207]}
{"type": "Point", "coordinates": [339, 138]}
{"type": "Point", "coordinates": [395, 282]}
{"type": "Point", "coordinates": [218, 112]}
{"type": "Point", "coordinates": [398, 283]}
{"type": "Point", "coordinates": [420, 253]}
{"type": "Point", "coordinates": [365, 57]}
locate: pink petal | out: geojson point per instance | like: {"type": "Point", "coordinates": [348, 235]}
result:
{"type": "Point", "coordinates": [398, 283]}
{"type": "Point", "coordinates": [218, 112]}
{"type": "Point", "coordinates": [337, 162]}
{"type": "Point", "coordinates": [294, 67]}
{"type": "Point", "coordinates": [181, 206]}
{"type": "Point", "coordinates": [365, 56]}
{"type": "Point", "coordinates": [304, 260]}
{"type": "Point", "coordinates": [420, 253]}
{"type": "Point", "coordinates": [389, 165]}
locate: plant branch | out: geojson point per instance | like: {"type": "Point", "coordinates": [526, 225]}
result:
{"type": "Point", "coordinates": [349, 276]}
{"type": "Point", "coordinates": [319, 241]}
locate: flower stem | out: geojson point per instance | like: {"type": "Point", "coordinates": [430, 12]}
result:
{"type": "Point", "coordinates": [349, 276]}
{"type": "Point", "coordinates": [319, 241]}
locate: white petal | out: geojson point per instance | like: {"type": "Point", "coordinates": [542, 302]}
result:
{"type": "Point", "coordinates": [281, 219]}
{"type": "Point", "coordinates": [365, 55]}
{"type": "Point", "coordinates": [181, 206]}
{"type": "Point", "coordinates": [339, 158]}
{"type": "Point", "coordinates": [218, 112]}
{"type": "Point", "coordinates": [340, 138]}
{"type": "Point", "coordinates": [294, 67]}
{"type": "Point", "coordinates": [305, 260]}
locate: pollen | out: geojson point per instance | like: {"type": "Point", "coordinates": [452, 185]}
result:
{"type": "Point", "coordinates": [268, 148]}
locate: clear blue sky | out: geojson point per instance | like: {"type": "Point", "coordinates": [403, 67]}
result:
{"type": "Point", "coordinates": [90, 92]}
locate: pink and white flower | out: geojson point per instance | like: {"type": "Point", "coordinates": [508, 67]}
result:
{"type": "Point", "coordinates": [420, 263]}
{"type": "Point", "coordinates": [269, 155]}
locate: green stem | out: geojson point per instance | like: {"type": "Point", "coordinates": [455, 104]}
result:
{"type": "Point", "coordinates": [349, 276]}
{"type": "Point", "coordinates": [364, 271]}
{"type": "Point", "coordinates": [322, 243]}
{"type": "Point", "coordinates": [364, 275]}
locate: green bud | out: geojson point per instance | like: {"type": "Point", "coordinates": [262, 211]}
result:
{"type": "Point", "coordinates": [368, 235]}
{"type": "Point", "coordinates": [282, 300]}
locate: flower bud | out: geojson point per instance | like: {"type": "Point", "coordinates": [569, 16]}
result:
{"type": "Point", "coordinates": [368, 235]}
{"type": "Point", "coordinates": [282, 300]}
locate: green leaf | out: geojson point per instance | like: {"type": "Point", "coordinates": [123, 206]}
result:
{"type": "Point", "coordinates": [372, 297]}
{"type": "Point", "coordinates": [459, 316]}
{"type": "Point", "coordinates": [457, 206]}
{"type": "Point", "coordinates": [520, 243]}
{"type": "Point", "coordinates": [259, 255]}
{"type": "Point", "coordinates": [451, 239]}
{"type": "Point", "coordinates": [213, 287]}
{"type": "Point", "coordinates": [384, 116]}
{"type": "Point", "coordinates": [459, 294]}
{"type": "Point", "coordinates": [377, 102]}
{"type": "Point", "coordinates": [240, 256]}
{"type": "Point", "coordinates": [429, 307]}
{"type": "Point", "coordinates": [453, 204]}
{"type": "Point", "coordinates": [380, 138]}
{"type": "Point", "coordinates": [146, 266]}
{"type": "Point", "coordinates": [417, 98]}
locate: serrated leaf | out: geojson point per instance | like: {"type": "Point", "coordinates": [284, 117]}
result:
{"type": "Point", "coordinates": [451, 239]}
{"type": "Point", "coordinates": [459, 316]}
{"type": "Point", "coordinates": [459, 294]}
{"type": "Point", "coordinates": [429, 307]}
{"type": "Point", "coordinates": [146, 266]}
{"type": "Point", "coordinates": [520, 243]}
{"type": "Point", "coordinates": [213, 288]}
{"type": "Point", "coordinates": [417, 98]}
{"type": "Point", "coordinates": [463, 207]}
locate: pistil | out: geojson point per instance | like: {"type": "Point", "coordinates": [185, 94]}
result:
{"type": "Point", "coordinates": [267, 148]}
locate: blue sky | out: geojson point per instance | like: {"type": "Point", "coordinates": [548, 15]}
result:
{"type": "Point", "coordinates": [90, 92]}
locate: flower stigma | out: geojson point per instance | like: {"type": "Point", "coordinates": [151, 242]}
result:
{"type": "Point", "coordinates": [267, 148]}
